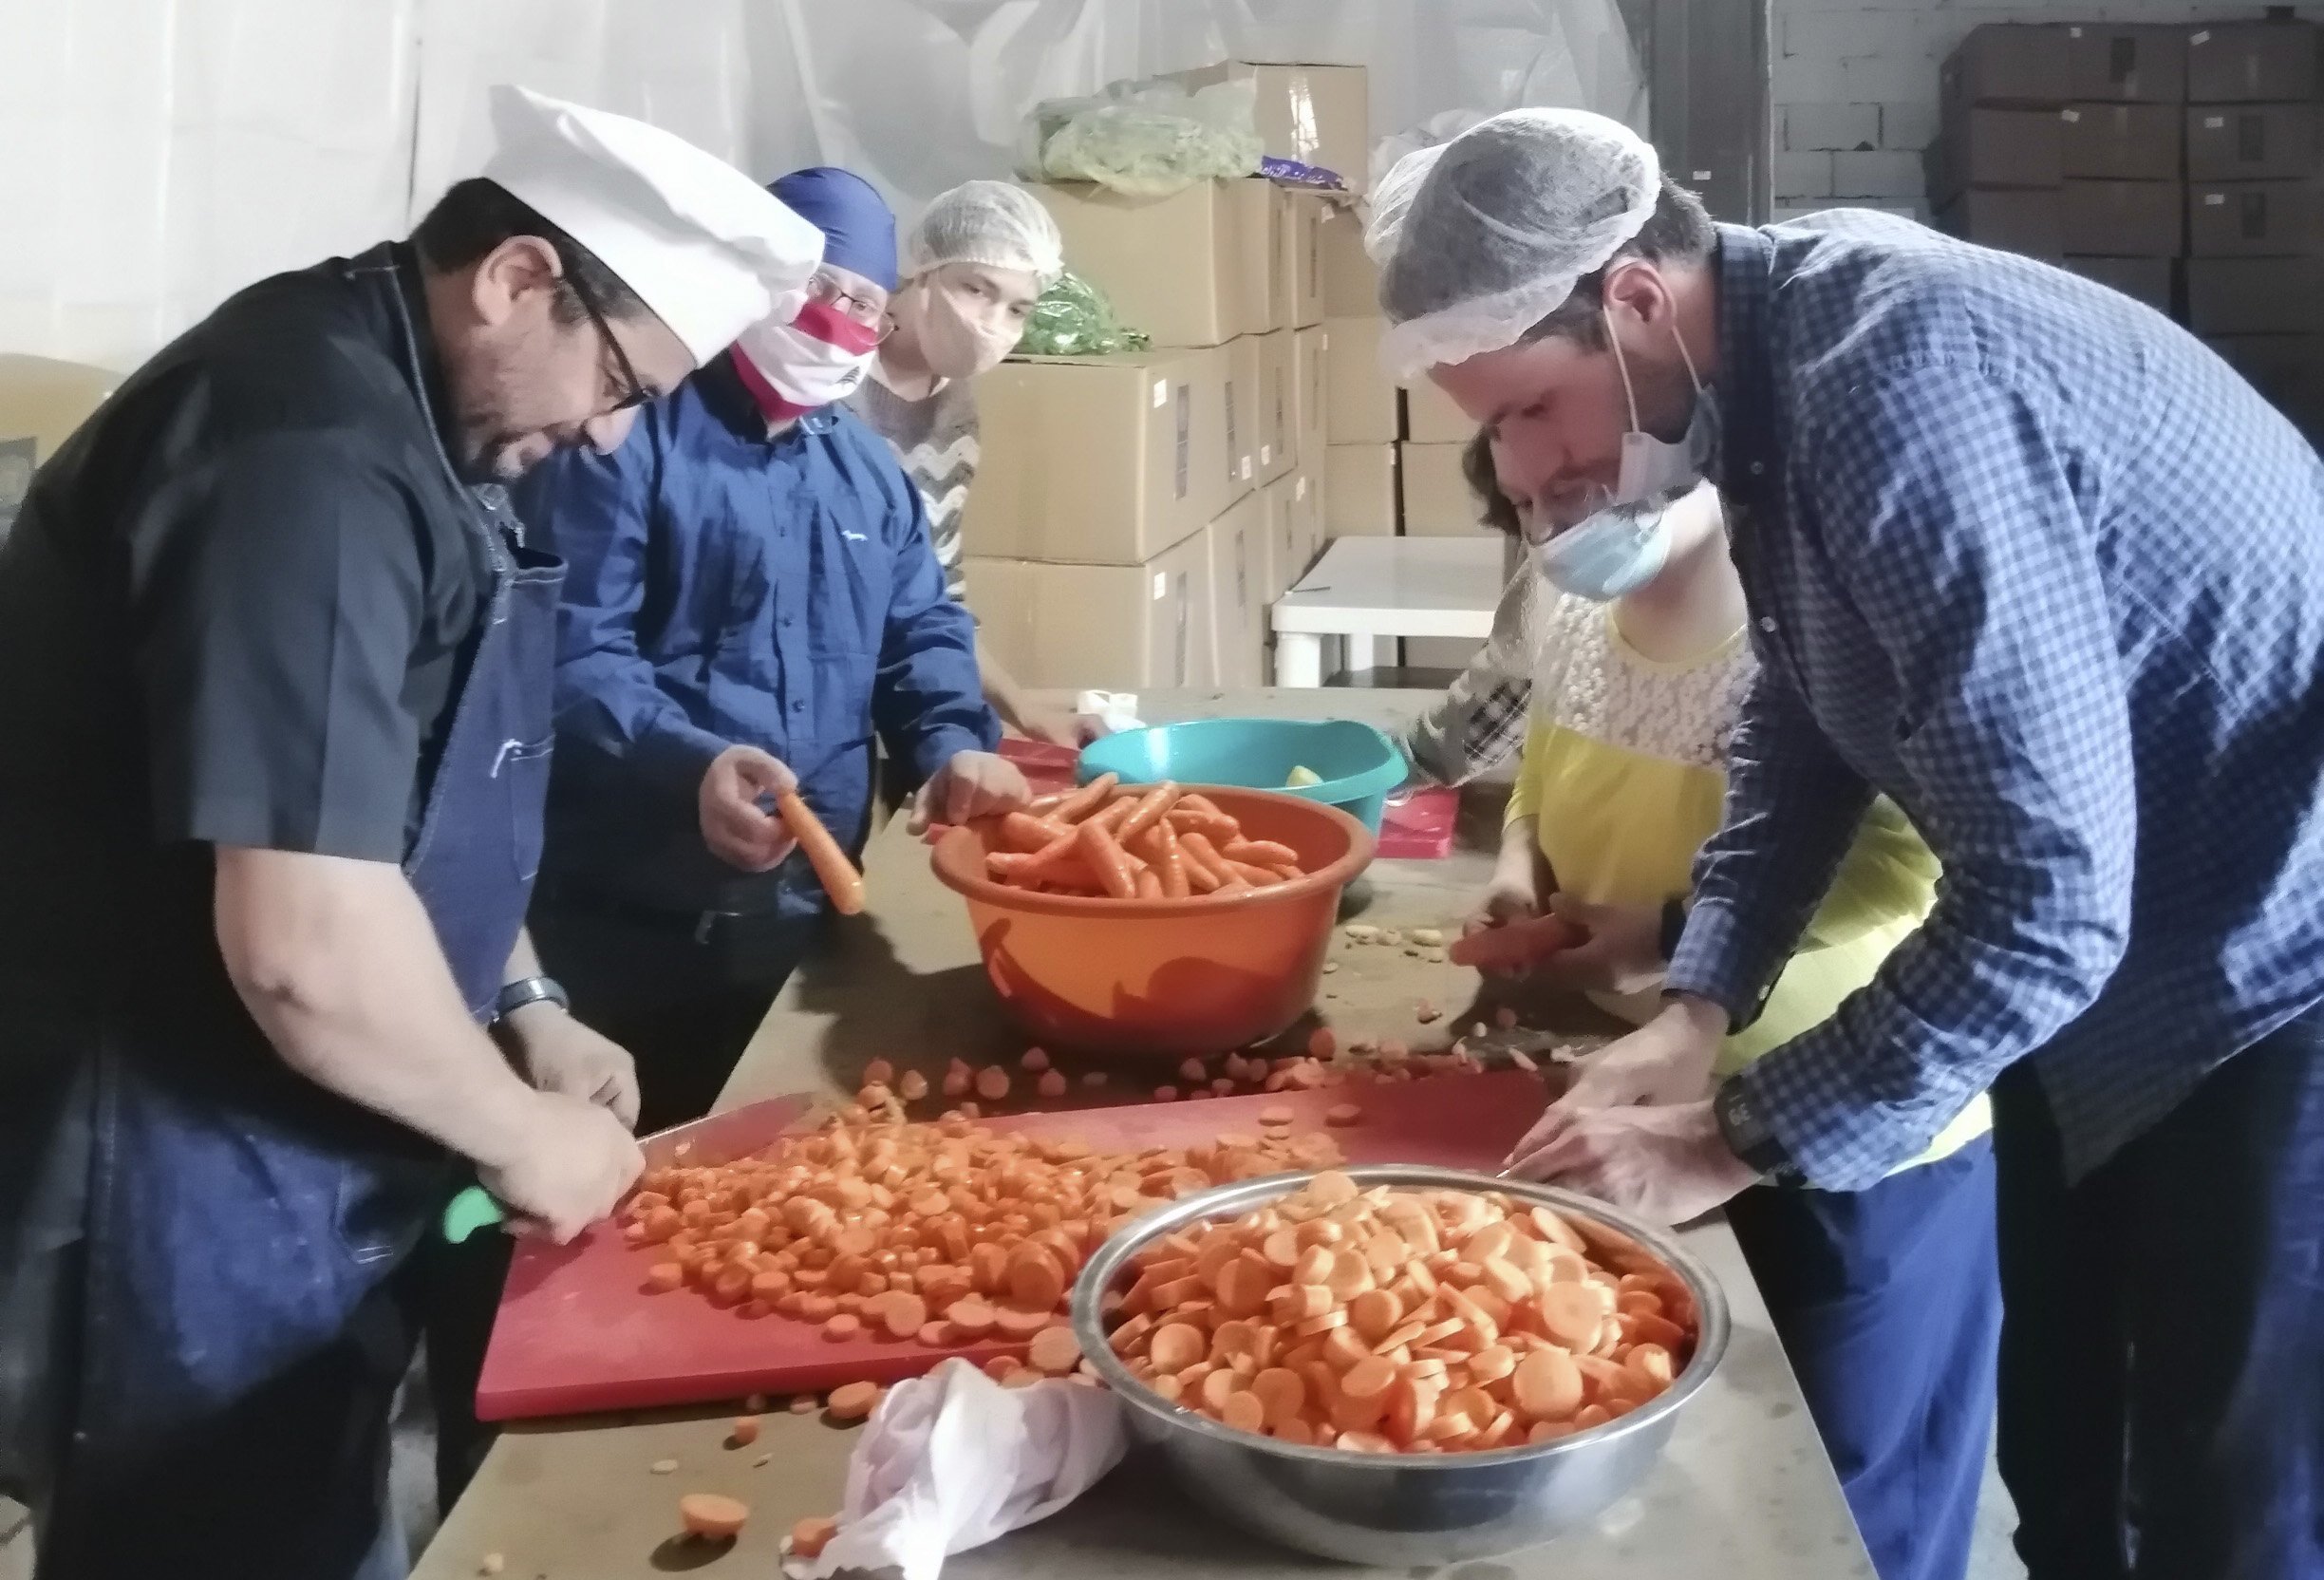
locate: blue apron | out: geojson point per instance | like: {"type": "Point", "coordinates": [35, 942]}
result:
{"type": "Point", "coordinates": [241, 1340]}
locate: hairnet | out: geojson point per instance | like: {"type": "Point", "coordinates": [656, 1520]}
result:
{"type": "Point", "coordinates": [858, 228]}
{"type": "Point", "coordinates": [988, 222]}
{"type": "Point", "coordinates": [1480, 238]}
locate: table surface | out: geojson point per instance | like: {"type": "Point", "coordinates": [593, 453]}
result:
{"type": "Point", "coordinates": [1397, 587]}
{"type": "Point", "coordinates": [1744, 1492]}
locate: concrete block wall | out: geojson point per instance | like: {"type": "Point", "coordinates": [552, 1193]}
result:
{"type": "Point", "coordinates": [1855, 85]}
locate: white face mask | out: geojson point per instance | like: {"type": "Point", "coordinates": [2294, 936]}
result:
{"type": "Point", "coordinates": [1624, 542]}
{"type": "Point", "coordinates": [961, 333]}
{"type": "Point", "coordinates": [816, 359]}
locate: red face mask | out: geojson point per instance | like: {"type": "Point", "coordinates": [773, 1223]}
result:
{"type": "Point", "coordinates": [793, 368]}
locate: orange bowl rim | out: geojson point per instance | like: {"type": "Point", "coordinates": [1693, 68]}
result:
{"type": "Point", "coordinates": [1335, 874]}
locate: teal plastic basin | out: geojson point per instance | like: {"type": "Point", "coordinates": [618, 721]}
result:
{"type": "Point", "coordinates": [1357, 764]}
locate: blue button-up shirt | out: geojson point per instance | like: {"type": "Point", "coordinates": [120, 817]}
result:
{"type": "Point", "coordinates": [2034, 562]}
{"type": "Point", "coordinates": [730, 588]}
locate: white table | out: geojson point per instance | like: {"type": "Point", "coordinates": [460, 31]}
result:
{"type": "Point", "coordinates": [1368, 587]}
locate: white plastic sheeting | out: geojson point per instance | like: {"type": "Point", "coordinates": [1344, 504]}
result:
{"type": "Point", "coordinates": [156, 155]}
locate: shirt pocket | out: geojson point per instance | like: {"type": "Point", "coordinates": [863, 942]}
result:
{"type": "Point", "coordinates": [521, 773]}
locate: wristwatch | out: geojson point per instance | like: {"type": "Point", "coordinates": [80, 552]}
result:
{"type": "Point", "coordinates": [1748, 1136]}
{"type": "Point", "coordinates": [528, 989]}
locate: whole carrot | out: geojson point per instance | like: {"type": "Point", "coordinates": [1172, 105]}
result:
{"type": "Point", "coordinates": [1173, 863]}
{"type": "Point", "coordinates": [832, 869]}
{"type": "Point", "coordinates": [1022, 831]}
{"type": "Point", "coordinates": [1084, 801]}
{"type": "Point", "coordinates": [1148, 811]}
{"type": "Point", "coordinates": [1514, 944]}
{"type": "Point", "coordinates": [1200, 853]}
{"type": "Point", "coordinates": [1259, 853]}
{"type": "Point", "coordinates": [1097, 846]}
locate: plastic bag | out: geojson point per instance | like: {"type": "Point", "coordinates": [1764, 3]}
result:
{"type": "Point", "coordinates": [1145, 139]}
{"type": "Point", "coordinates": [1073, 319]}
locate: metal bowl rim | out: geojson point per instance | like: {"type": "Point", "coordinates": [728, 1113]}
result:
{"type": "Point", "coordinates": [1223, 1200]}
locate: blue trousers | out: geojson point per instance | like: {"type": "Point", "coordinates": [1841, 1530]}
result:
{"type": "Point", "coordinates": [1889, 1308]}
{"type": "Point", "coordinates": [2162, 1363]}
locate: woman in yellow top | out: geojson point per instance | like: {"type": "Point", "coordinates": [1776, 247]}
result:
{"type": "Point", "coordinates": [1886, 1299]}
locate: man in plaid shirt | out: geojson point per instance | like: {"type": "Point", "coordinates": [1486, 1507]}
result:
{"type": "Point", "coordinates": [2029, 560]}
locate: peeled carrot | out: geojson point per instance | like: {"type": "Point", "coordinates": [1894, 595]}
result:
{"type": "Point", "coordinates": [1080, 803]}
{"type": "Point", "coordinates": [832, 869]}
{"type": "Point", "coordinates": [1200, 852]}
{"type": "Point", "coordinates": [1149, 810]}
{"type": "Point", "coordinates": [1023, 832]}
{"type": "Point", "coordinates": [1148, 884]}
{"type": "Point", "coordinates": [1172, 864]}
{"type": "Point", "coordinates": [1259, 853]}
{"type": "Point", "coordinates": [1106, 859]}
{"type": "Point", "coordinates": [1513, 945]}
{"type": "Point", "coordinates": [1217, 824]}
{"type": "Point", "coordinates": [1258, 877]}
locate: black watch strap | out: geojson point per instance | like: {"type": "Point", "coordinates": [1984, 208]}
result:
{"type": "Point", "coordinates": [1747, 1134]}
{"type": "Point", "coordinates": [529, 989]}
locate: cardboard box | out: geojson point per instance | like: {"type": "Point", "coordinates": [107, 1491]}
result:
{"type": "Point", "coordinates": [1310, 394]}
{"type": "Point", "coordinates": [1302, 527]}
{"type": "Point", "coordinates": [2255, 219]}
{"type": "Point", "coordinates": [1437, 499]}
{"type": "Point", "coordinates": [1301, 275]}
{"type": "Point", "coordinates": [2252, 63]}
{"type": "Point", "coordinates": [1245, 420]}
{"type": "Point", "coordinates": [1173, 267]}
{"type": "Point", "coordinates": [1278, 414]}
{"type": "Point", "coordinates": [1260, 219]}
{"type": "Point", "coordinates": [1360, 406]}
{"type": "Point", "coordinates": [1113, 627]}
{"type": "Point", "coordinates": [2255, 142]}
{"type": "Point", "coordinates": [1351, 284]}
{"type": "Point", "coordinates": [1096, 460]}
{"type": "Point", "coordinates": [2143, 65]}
{"type": "Point", "coordinates": [2288, 369]}
{"type": "Point", "coordinates": [2007, 64]}
{"type": "Point", "coordinates": [42, 401]}
{"type": "Point", "coordinates": [2152, 281]}
{"type": "Point", "coordinates": [1982, 147]}
{"type": "Point", "coordinates": [2123, 219]}
{"type": "Point", "coordinates": [2238, 296]}
{"type": "Point", "coordinates": [1236, 551]}
{"type": "Point", "coordinates": [2121, 143]}
{"type": "Point", "coordinates": [1319, 115]}
{"type": "Point", "coordinates": [1431, 418]}
{"type": "Point", "coordinates": [1278, 534]}
{"type": "Point", "coordinates": [1360, 491]}
{"type": "Point", "coordinates": [2024, 222]}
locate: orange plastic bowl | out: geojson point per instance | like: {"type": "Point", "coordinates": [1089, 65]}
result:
{"type": "Point", "coordinates": [1192, 976]}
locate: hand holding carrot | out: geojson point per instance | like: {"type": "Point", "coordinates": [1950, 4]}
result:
{"type": "Point", "coordinates": [972, 784]}
{"type": "Point", "coordinates": [735, 826]}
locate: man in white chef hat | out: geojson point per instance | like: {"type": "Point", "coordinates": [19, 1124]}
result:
{"type": "Point", "coordinates": [276, 687]}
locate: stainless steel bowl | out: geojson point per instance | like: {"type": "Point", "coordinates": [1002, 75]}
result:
{"type": "Point", "coordinates": [1401, 1509]}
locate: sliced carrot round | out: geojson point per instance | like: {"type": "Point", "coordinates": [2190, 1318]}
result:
{"type": "Point", "coordinates": [1055, 1350]}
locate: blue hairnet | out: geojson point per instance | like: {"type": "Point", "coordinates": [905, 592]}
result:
{"type": "Point", "coordinates": [859, 230]}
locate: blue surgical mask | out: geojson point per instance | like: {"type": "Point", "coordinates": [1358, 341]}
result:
{"type": "Point", "coordinates": [1624, 542]}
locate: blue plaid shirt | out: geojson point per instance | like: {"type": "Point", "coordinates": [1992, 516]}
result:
{"type": "Point", "coordinates": [2031, 561]}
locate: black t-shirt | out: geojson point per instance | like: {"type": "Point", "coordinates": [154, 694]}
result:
{"type": "Point", "coordinates": [232, 610]}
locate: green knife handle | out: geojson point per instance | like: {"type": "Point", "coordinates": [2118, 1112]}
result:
{"type": "Point", "coordinates": [473, 1209]}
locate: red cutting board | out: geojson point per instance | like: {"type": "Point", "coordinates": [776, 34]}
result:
{"type": "Point", "coordinates": [577, 1331]}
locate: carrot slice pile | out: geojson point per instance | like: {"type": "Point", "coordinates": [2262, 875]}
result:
{"type": "Point", "coordinates": [1131, 842]}
{"type": "Point", "coordinates": [1391, 1321]}
{"type": "Point", "coordinates": [938, 1235]}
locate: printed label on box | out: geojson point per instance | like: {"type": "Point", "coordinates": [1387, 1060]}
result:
{"type": "Point", "coordinates": [1161, 392]}
{"type": "Point", "coordinates": [1161, 586]}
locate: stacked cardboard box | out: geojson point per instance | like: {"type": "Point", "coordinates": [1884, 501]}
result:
{"type": "Point", "coordinates": [2255, 160]}
{"type": "Point", "coordinates": [2062, 142]}
{"type": "Point", "coordinates": [1134, 517]}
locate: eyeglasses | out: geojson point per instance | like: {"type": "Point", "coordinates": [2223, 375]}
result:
{"type": "Point", "coordinates": [630, 391]}
{"type": "Point", "coordinates": [858, 310]}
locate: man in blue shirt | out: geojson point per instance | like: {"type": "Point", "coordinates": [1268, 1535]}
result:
{"type": "Point", "coordinates": [2027, 559]}
{"type": "Point", "coordinates": [752, 598]}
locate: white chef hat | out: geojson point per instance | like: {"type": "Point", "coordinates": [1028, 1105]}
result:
{"type": "Point", "coordinates": [708, 249]}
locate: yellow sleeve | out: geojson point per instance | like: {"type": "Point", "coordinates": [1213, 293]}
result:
{"type": "Point", "coordinates": [1525, 795]}
{"type": "Point", "coordinates": [1889, 876]}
